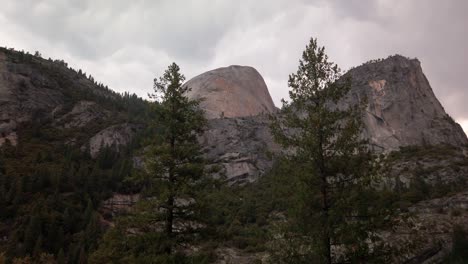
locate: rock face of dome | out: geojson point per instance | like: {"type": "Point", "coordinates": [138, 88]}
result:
{"type": "Point", "coordinates": [402, 108]}
{"type": "Point", "coordinates": [234, 91]}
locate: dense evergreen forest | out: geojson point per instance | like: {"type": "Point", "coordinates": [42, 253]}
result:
{"type": "Point", "coordinates": [50, 190]}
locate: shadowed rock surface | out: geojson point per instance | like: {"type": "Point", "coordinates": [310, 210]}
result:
{"type": "Point", "coordinates": [24, 95]}
{"type": "Point", "coordinates": [82, 114]}
{"type": "Point", "coordinates": [239, 148]}
{"type": "Point", "coordinates": [114, 137]}
{"type": "Point", "coordinates": [432, 224]}
{"type": "Point", "coordinates": [233, 91]}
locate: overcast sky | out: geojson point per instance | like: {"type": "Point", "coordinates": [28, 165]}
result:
{"type": "Point", "coordinates": [125, 44]}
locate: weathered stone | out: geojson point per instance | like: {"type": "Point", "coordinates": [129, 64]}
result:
{"type": "Point", "coordinates": [402, 109]}
{"type": "Point", "coordinates": [234, 91]}
{"type": "Point", "coordinates": [119, 203]}
{"type": "Point", "coordinates": [24, 95]}
{"type": "Point", "coordinates": [239, 148]}
{"type": "Point", "coordinates": [227, 255]}
{"type": "Point", "coordinates": [432, 227]}
{"type": "Point", "coordinates": [115, 136]}
{"type": "Point", "coordinates": [82, 114]}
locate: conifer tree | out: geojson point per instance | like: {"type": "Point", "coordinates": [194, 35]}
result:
{"type": "Point", "coordinates": [168, 213]}
{"type": "Point", "coordinates": [331, 220]}
{"type": "Point", "coordinates": [61, 257]}
{"type": "Point", "coordinates": [176, 166]}
{"type": "Point", "coordinates": [32, 232]}
{"type": "Point", "coordinates": [37, 247]}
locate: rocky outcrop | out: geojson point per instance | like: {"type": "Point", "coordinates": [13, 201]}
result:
{"type": "Point", "coordinates": [25, 95]}
{"type": "Point", "coordinates": [119, 203]}
{"type": "Point", "coordinates": [430, 229]}
{"type": "Point", "coordinates": [82, 114]}
{"type": "Point", "coordinates": [227, 255]}
{"type": "Point", "coordinates": [435, 165]}
{"type": "Point", "coordinates": [234, 91]}
{"type": "Point", "coordinates": [402, 109]}
{"type": "Point", "coordinates": [239, 148]}
{"type": "Point", "coordinates": [115, 137]}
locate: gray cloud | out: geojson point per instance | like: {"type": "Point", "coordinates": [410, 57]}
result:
{"type": "Point", "coordinates": [127, 43]}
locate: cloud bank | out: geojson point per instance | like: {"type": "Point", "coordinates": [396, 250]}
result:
{"type": "Point", "coordinates": [125, 44]}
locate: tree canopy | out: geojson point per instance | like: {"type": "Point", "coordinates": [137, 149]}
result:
{"type": "Point", "coordinates": [332, 168]}
{"type": "Point", "coordinates": [168, 216]}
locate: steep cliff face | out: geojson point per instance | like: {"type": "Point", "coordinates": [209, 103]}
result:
{"type": "Point", "coordinates": [237, 138]}
{"type": "Point", "coordinates": [234, 91]}
{"type": "Point", "coordinates": [402, 108]}
{"type": "Point", "coordinates": [239, 149]}
{"type": "Point", "coordinates": [402, 111]}
{"type": "Point", "coordinates": [24, 95]}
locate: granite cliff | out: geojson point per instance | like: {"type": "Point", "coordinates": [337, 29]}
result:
{"type": "Point", "coordinates": [234, 91]}
{"type": "Point", "coordinates": [402, 109]}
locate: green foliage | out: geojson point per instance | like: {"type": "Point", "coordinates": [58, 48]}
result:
{"type": "Point", "coordinates": [174, 185]}
{"type": "Point", "coordinates": [330, 167]}
{"type": "Point", "coordinates": [429, 151]}
{"type": "Point", "coordinates": [422, 185]}
{"type": "Point", "coordinates": [49, 204]}
{"type": "Point", "coordinates": [50, 190]}
{"type": "Point", "coordinates": [118, 246]}
{"type": "Point", "coordinates": [75, 86]}
{"type": "Point", "coordinates": [234, 216]}
{"type": "Point", "coordinates": [240, 216]}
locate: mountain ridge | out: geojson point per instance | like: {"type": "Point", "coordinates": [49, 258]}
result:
{"type": "Point", "coordinates": [80, 138]}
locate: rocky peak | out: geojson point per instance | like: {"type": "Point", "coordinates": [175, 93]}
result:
{"type": "Point", "coordinates": [402, 109]}
{"type": "Point", "coordinates": [234, 91]}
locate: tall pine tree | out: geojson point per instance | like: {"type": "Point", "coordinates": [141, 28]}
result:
{"type": "Point", "coordinates": [167, 216]}
{"type": "Point", "coordinates": [175, 162]}
{"type": "Point", "coordinates": [332, 217]}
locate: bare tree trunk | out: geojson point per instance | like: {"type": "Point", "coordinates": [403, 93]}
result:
{"type": "Point", "coordinates": [326, 240]}
{"type": "Point", "coordinates": [169, 222]}
{"type": "Point", "coordinates": [170, 202]}
{"type": "Point", "coordinates": [326, 227]}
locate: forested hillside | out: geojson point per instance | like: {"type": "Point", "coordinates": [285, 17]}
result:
{"type": "Point", "coordinates": [50, 185]}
